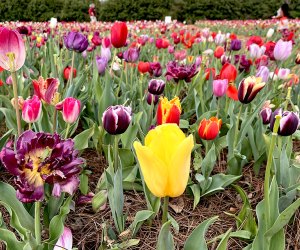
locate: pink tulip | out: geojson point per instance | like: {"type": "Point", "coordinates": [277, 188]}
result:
{"type": "Point", "coordinates": [70, 109]}
{"type": "Point", "coordinates": [32, 109]}
{"type": "Point", "coordinates": [9, 80]}
{"type": "Point", "coordinates": [12, 43]}
{"type": "Point", "coordinates": [220, 87]}
{"type": "Point", "coordinates": [180, 55]}
{"type": "Point", "coordinates": [283, 73]}
{"type": "Point", "coordinates": [65, 241]}
{"type": "Point", "coordinates": [282, 50]}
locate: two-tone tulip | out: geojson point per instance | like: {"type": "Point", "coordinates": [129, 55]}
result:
{"type": "Point", "coordinates": [209, 129]}
{"type": "Point", "coordinates": [168, 111]}
{"type": "Point", "coordinates": [248, 88]}
{"type": "Point", "coordinates": [266, 114]}
{"type": "Point", "coordinates": [165, 160]}
{"type": "Point", "coordinates": [289, 122]}
{"type": "Point", "coordinates": [65, 241]}
{"type": "Point", "coordinates": [156, 86]}
{"type": "Point", "coordinates": [46, 90]}
{"type": "Point", "coordinates": [31, 110]}
{"type": "Point", "coordinates": [70, 108]}
{"type": "Point", "coordinates": [152, 99]}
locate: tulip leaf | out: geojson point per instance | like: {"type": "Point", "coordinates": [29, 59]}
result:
{"type": "Point", "coordinates": [10, 240]}
{"type": "Point", "coordinates": [10, 119]}
{"type": "Point", "coordinates": [165, 238]}
{"type": "Point", "coordinates": [81, 141]}
{"type": "Point", "coordinates": [139, 218]}
{"type": "Point", "coordinates": [223, 243]}
{"type": "Point", "coordinates": [4, 138]}
{"type": "Point", "coordinates": [128, 243]}
{"type": "Point", "coordinates": [99, 200]}
{"type": "Point", "coordinates": [196, 193]}
{"type": "Point", "coordinates": [209, 162]}
{"type": "Point", "coordinates": [196, 241]}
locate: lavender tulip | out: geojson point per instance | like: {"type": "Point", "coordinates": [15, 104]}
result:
{"type": "Point", "coordinates": [283, 74]}
{"type": "Point", "coordinates": [101, 64]}
{"type": "Point", "coordinates": [282, 50]}
{"type": "Point", "coordinates": [76, 41]}
{"type": "Point", "coordinates": [256, 51]}
{"type": "Point", "coordinates": [105, 52]}
{"type": "Point", "coordinates": [263, 72]}
{"type": "Point", "coordinates": [131, 55]}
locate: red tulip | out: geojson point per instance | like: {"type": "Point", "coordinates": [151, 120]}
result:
{"type": "Point", "coordinates": [143, 67]}
{"type": "Point", "coordinates": [162, 43]}
{"type": "Point", "coordinates": [119, 34]}
{"type": "Point", "coordinates": [168, 111]}
{"type": "Point", "coordinates": [209, 129]}
{"type": "Point", "coordinates": [228, 72]}
{"type": "Point", "coordinates": [232, 92]}
{"type": "Point", "coordinates": [1, 69]}
{"type": "Point", "coordinates": [209, 72]}
{"type": "Point", "coordinates": [67, 72]}
{"type": "Point", "coordinates": [219, 51]}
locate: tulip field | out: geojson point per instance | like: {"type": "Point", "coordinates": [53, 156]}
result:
{"type": "Point", "coordinates": [149, 135]}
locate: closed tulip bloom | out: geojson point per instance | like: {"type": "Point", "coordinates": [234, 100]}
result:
{"type": "Point", "coordinates": [220, 39]}
{"type": "Point", "coordinates": [105, 52]}
{"type": "Point", "coordinates": [11, 45]}
{"type": "Point", "coordinates": [283, 74]}
{"type": "Point", "coordinates": [266, 114]}
{"type": "Point", "coordinates": [101, 63]}
{"type": "Point", "coordinates": [156, 86]}
{"type": "Point", "coordinates": [76, 41]}
{"type": "Point", "coordinates": [70, 108]}
{"type": "Point", "coordinates": [209, 129]}
{"type": "Point", "coordinates": [220, 87]}
{"type": "Point", "coordinates": [263, 72]}
{"type": "Point", "coordinates": [249, 87]}
{"type": "Point", "coordinates": [131, 55]}
{"type": "Point", "coordinates": [168, 111]}
{"type": "Point", "coordinates": [171, 49]}
{"type": "Point", "coordinates": [219, 51]}
{"type": "Point", "coordinates": [228, 72]}
{"type": "Point", "coordinates": [152, 99]}
{"type": "Point", "coordinates": [282, 50]}
{"type": "Point", "coordinates": [270, 33]}
{"type": "Point", "coordinates": [67, 72]}
{"type": "Point", "coordinates": [65, 241]}
{"type": "Point", "coordinates": [118, 34]}
{"type": "Point", "coordinates": [289, 122]}
{"type": "Point", "coordinates": [235, 45]}
{"type": "Point", "coordinates": [31, 110]}
{"type": "Point", "coordinates": [165, 160]}
{"type": "Point", "coordinates": [116, 119]}
{"type": "Point", "coordinates": [256, 51]}
{"type": "Point", "coordinates": [155, 69]}
{"type": "Point", "coordinates": [143, 67]}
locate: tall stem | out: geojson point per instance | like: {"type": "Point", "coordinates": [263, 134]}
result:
{"type": "Point", "coordinates": [72, 68]}
{"type": "Point", "coordinates": [237, 126]}
{"type": "Point", "coordinates": [67, 130]}
{"type": "Point", "coordinates": [37, 222]}
{"type": "Point", "coordinates": [54, 121]}
{"type": "Point", "coordinates": [268, 170]}
{"type": "Point", "coordinates": [116, 152]}
{"type": "Point", "coordinates": [16, 98]}
{"type": "Point", "coordinates": [288, 98]}
{"type": "Point", "coordinates": [165, 210]}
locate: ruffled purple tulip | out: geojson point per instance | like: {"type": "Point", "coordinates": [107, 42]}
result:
{"type": "Point", "coordinates": [41, 158]}
{"type": "Point", "coordinates": [235, 45]}
{"type": "Point", "coordinates": [76, 41]}
{"type": "Point", "coordinates": [178, 71]}
{"type": "Point", "coordinates": [152, 99]}
{"type": "Point", "coordinates": [156, 86]}
{"type": "Point", "coordinates": [220, 87]}
{"type": "Point", "coordinates": [155, 69]}
{"type": "Point", "coordinates": [263, 72]}
{"type": "Point", "coordinates": [101, 63]}
{"type": "Point", "coordinates": [266, 114]}
{"type": "Point", "coordinates": [282, 50]}
{"type": "Point", "coordinates": [289, 122]}
{"type": "Point", "coordinates": [116, 119]}
{"type": "Point", "coordinates": [131, 55]}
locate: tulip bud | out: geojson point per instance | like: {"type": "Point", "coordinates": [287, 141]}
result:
{"type": "Point", "coordinates": [282, 50]}
{"type": "Point", "coordinates": [270, 33]}
{"type": "Point", "coordinates": [289, 122]}
{"type": "Point", "coordinates": [131, 55]}
{"type": "Point", "coordinates": [118, 34]}
{"type": "Point", "coordinates": [70, 109]}
{"type": "Point", "coordinates": [209, 129]}
{"type": "Point", "coordinates": [256, 51]}
{"type": "Point", "coordinates": [171, 49]}
{"type": "Point", "coordinates": [266, 114]}
{"type": "Point", "coordinates": [220, 39]}
{"type": "Point", "coordinates": [168, 111]}
{"type": "Point", "coordinates": [67, 72]}
{"type": "Point", "coordinates": [283, 74]}
{"type": "Point", "coordinates": [263, 72]}
{"type": "Point", "coordinates": [9, 80]}
{"type": "Point", "coordinates": [235, 45]}
{"type": "Point", "coordinates": [101, 63]}
{"type": "Point", "coordinates": [32, 109]}
{"type": "Point", "coordinates": [76, 41]}
{"type": "Point", "coordinates": [143, 67]}
{"type": "Point", "coordinates": [220, 87]}
{"type": "Point", "coordinates": [20, 102]}
{"type": "Point", "coordinates": [53, 23]}
{"type": "Point", "coordinates": [156, 86]}
{"type": "Point", "coordinates": [152, 99]}
{"type": "Point", "coordinates": [248, 88]}
{"type": "Point", "coordinates": [219, 51]}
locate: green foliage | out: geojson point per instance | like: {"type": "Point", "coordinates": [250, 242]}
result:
{"type": "Point", "coordinates": [189, 10]}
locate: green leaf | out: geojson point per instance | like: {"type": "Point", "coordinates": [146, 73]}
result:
{"type": "Point", "coordinates": [165, 238]}
{"type": "Point", "coordinates": [4, 138]}
{"type": "Point", "coordinates": [223, 243]}
{"type": "Point", "coordinates": [139, 218]}
{"type": "Point", "coordinates": [10, 240]}
{"type": "Point", "coordinates": [196, 241]}
{"type": "Point", "coordinates": [99, 200]}
{"type": "Point", "coordinates": [128, 243]}
{"type": "Point", "coordinates": [81, 141]}
{"type": "Point", "coordinates": [209, 162]}
{"type": "Point", "coordinates": [196, 193]}
{"type": "Point", "coordinates": [10, 119]}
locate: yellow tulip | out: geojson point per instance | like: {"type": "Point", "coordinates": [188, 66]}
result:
{"type": "Point", "coordinates": [165, 160]}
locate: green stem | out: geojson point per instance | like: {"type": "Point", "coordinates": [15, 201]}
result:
{"type": "Point", "coordinates": [29, 126]}
{"type": "Point", "coordinates": [237, 126]}
{"type": "Point", "coordinates": [16, 98]}
{"type": "Point", "coordinates": [67, 130]}
{"type": "Point", "coordinates": [165, 210]}
{"type": "Point", "coordinates": [116, 152]}
{"type": "Point", "coordinates": [288, 98]}
{"type": "Point", "coordinates": [37, 222]}
{"type": "Point", "coordinates": [268, 170]}
{"type": "Point", "coordinates": [72, 67]}
{"type": "Point", "coordinates": [218, 106]}
{"type": "Point", "coordinates": [54, 120]}
{"type": "Point", "coordinates": [227, 105]}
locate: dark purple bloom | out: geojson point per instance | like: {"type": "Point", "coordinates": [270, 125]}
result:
{"type": "Point", "coordinates": [156, 86]}
{"type": "Point", "coordinates": [155, 69]}
{"type": "Point", "coordinates": [85, 199]}
{"type": "Point", "coordinates": [101, 64]}
{"type": "Point", "coordinates": [131, 55]}
{"type": "Point", "coordinates": [42, 158]}
{"type": "Point", "coordinates": [289, 122]}
{"type": "Point", "coordinates": [116, 119]}
{"type": "Point", "coordinates": [266, 114]}
{"type": "Point", "coordinates": [178, 71]}
{"type": "Point", "coordinates": [23, 30]}
{"type": "Point", "coordinates": [76, 41]}
{"type": "Point", "coordinates": [243, 62]}
{"type": "Point", "coordinates": [235, 44]}
{"type": "Point", "coordinates": [152, 99]}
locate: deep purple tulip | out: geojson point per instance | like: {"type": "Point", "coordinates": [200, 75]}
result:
{"type": "Point", "coordinates": [235, 45]}
{"type": "Point", "coordinates": [263, 72]}
{"type": "Point", "coordinates": [178, 71]}
{"type": "Point", "coordinates": [152, 98]}
{"type": "Point", "coordinates": [155, 69]}
{"type": "Point", "coordinates": [131, 55]}
{"type": "Point", "coordinates": [101, 64]}
{"type": "Point", "coordinates": [156, 86]}
{"type": "Point", "coordinates": [289, 122]}
{"type": "Point", "coordinates": [41, 158]}
{"type": "Point", "coordinates": [76, 41]}
{"type": "Point", "coordinates": [116, 119]}
{"type": "Point", "coordinates": [266, 114]}
{"type": "Point", "coordinates": [243, 62]}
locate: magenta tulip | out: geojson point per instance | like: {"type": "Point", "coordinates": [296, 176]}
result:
{"type": "Point", "coordinates": [70, 108]}
{"type": "Point", "coordinates": [220, 87]}
{"type": "Point", "coordinates": [32, 109]}
{"type": "Point", "coordinates": [11, 43]}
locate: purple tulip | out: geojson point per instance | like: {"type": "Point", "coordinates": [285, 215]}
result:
{"type": "Point", "coordinates": [41, 158]}
{"type": "Point", "coordinates": [266, 114]}
{"type": "Point", "coordinates": [289, 122]}
{"type": "Point", "coordinates": [263, 72]}
{"type": "Point", "coordinates": [282, 50]}
{"type": "Point", "coordinates": [155, 69]}
{"type": "Point", "coordinates": [131, 55]}
{"type": "Point", "coordinates": [152, 99]}
{"type": "Point", "coordinates": [101, 64]}
{"type": "Point", "coordinates": [235, 44]}
{"type": "Point", "coordinates": [76, 41]}
{"type": "Point", "coordinates": [220, 87]}
{"type": "Point", "coordinates": [178, 71]}
{"type": "Point", "coordinates": [156, 86]}
{"type": "Point", "coordinates": [116, 119]}
{"type": "Point", "coordinates": [243, 62]}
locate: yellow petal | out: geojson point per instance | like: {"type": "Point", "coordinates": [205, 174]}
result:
{"type": "Point", "coordinates": [153, 169]}
{"type": "Point", "coordinates": [179, 168]}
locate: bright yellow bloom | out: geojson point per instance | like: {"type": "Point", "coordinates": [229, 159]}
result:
{"type": "Point", "coordinates": [165, 160]}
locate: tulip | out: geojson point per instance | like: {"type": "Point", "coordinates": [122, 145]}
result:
{"type": "Point", "coordinates": [220, 39]}
{"type": "Point", "coordinates": [118, 34]}
{"type": "Point", "coordinates": [9, 80]}
{"type": "Point", "coordinates": [46, 90]}
{"type": "Point", "coordinates": [162, 43]}
{"type": "Point", "coordinates": [220, 87]}
{"type": "Point", "coordinates": [155, 69]}
{"type": "Point", "coordinates": [96, 39]}
{"type": "Point", "coordinates": [171, 49]}
{"type": "Point", "coordinates": [248, 88]}
{"type": "Point", "coordinates": [70, 108]}
{"type": "Point", "coordinates": [235, 45]}
{"type": "Point", "coordinates": [168, 111]}
{"type": "Point", "coordinates": [228, 72]}
{"type": "Point", "coordinates": [143, 67]}
{"type": "Point", "coordinates": [283, 73]}
{"type": "Point", "coordinates": [297, 60]}
{"type": "Point", "coordinates": [67, 72]}
{"type": "Point", "coordinates": [101, 63]}
{"type": "Point", "coordinates": [270, 33]}
{"type": "Point", "coordinates": [270, 49]}
{"type": "Point", "coordinates": [105, 53]}
{"type": "Point", "coordinates": [255, 39]}
{"type": "Point", "coordinates": [165, 160]}
{"type": "Point", "coordinates": [31, 110]}
{"type": "Point", "coordinates": [178, 71]}
{"type": "Point", "coordinates": [263, 72]}
{"type": "Point", "coordinates": [156, 86]}
{"type": "Point", "coordinates": [262, 61]}
{"type": "Point", "coordinates": [243, 62]}
{"type": "Point", "coordinates": [180, 55]}
{"type": "Point", "coordinates": [256, 51]}
{"type": "Point", "coordinates": [289, 122]}
{"type": "Point", "coordinates": [209, 129]}
{"type": "Point", "coordinates": [12, 50]}
{"type": "Point", "coordinates": [53, 23]}
{"type": "Point", "coordinates": [219, 51]}
{"type": "Point", "coordinates": [65, 241]}
{"type": "Point", "coordinates": [209, 72]}
{"type": "Point", "coordinates": [232, 92]}
{"type": "Point", "coordinates": [283, 50]}
{"type": "Point", "coordinates": [116, 119]}
{"type": "Point", "coordinates": [152, 99]}
{"type": "Point", "coordinates": [131, 55]}
{"type": "Point", "coordinates": [266, 114]}
{"type": "Point", "coordinates": [76, 41]}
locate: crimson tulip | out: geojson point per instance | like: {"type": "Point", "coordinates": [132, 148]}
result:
{"type": "Point", "coordinates": [67, 72]}
{"type": "Point", "coordinates": [118, 34]}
